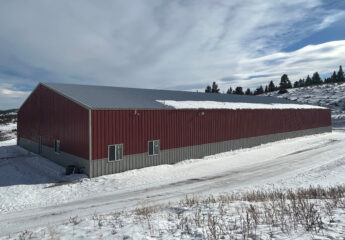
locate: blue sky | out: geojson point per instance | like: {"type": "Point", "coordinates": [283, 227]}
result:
{"type": "Point", "coordinates": [165, 44]}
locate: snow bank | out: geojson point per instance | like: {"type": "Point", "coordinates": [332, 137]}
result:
{"type": "Point", "coordinates": [8, 127]}
{"type": "Point", "coordinates": [8, 142]}
{"type": "Point", "coordinates": [232, 105]}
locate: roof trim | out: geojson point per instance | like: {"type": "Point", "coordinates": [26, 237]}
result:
{"type": "Point", "coordinates": [28, 97]}
{"type": "Point", "coordinates": [64, 95]}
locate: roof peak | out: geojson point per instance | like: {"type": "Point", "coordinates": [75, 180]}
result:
{"type": "Point", "coordinates": [110, 97]}
{"type": "Point", "coordinates": [108, 86]}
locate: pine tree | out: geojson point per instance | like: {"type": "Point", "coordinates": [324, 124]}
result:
{"type": "Point", "coordinates": [230, 91]}
{"type": "Point", "coordinates": [296, 84]}
{"type": "Point", "coordinates": [284, 84]}
{"type": "Point", "coordinates": [340, 75]}
{"type": "Point", "coordinates": [301, 83]}
{"type": "Point", "coordinates": [334, 77]}
{"type": "Point", "coordinates": [271, 87]}
{"type": "Point", "coordinates": [316, 79]}
{"type": "Point", "coordinates": [289, 84]}
{"type": "Point", "coordinates": [248, 92]}
{"type": "Point", "coordinates": [208, 89]}
{"type": "Point", "coordinates": [266, 89]}
{"type": "Point", "coordinates": [239, 91]}
{"type": "Point", "coordinates": [259, 90]}
{"type": "Point", "coordinates": [308, 81]}
{"type": "Point", "coordinates": [215, 88]}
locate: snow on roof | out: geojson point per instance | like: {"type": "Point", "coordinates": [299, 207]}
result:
{"type": "Point", "coordinates": [105, 97]}
{"type": "Point", "coordinates": [232, 105]}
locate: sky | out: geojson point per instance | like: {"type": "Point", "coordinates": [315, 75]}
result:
{"type": "Point", "coordinates": [166, 44]}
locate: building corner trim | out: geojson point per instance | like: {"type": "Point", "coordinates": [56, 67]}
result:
{"type": "Point", "coordinates": [90, 145]}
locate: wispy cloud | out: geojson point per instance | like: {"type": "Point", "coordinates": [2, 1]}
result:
{"type": "Point", "coordinates": [329, 20]}
{"type": "Point", "coordinates": [9, 97]}
{"type": "Point", "coordinates": [324, 58]}
{"type": "Point", "coordinates": [12, 93]}
{"type": "Point", "coordinates": [160, 44]}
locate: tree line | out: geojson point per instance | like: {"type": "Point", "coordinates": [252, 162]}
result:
{"type": "Point", "coordinates": [284, 85]}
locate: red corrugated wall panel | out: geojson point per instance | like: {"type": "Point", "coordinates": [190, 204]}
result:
{"type": "Point", "coordinates": [180, 128]}
{"type": "Point", "coordinates": [52, 116]}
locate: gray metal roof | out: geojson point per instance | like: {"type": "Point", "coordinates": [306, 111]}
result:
{"type": "Point", "coordinates": [104, 97]}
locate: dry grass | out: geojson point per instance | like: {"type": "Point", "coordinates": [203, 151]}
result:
{"type": "Point", "coordinates": [283, 211]}
{"type": "Point", "coordinates": [248, 215]}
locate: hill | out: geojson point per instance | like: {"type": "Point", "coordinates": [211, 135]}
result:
{"type": "Point", "coordinates": [328, 95]}
{"type": "Point", "coordinates": [8, 124]}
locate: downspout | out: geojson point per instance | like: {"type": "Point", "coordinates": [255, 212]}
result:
{"type": "Point", "coordinates": [90, 146]}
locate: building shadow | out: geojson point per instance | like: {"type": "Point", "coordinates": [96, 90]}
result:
{"type": "Point", "coordinates": [21, 167]}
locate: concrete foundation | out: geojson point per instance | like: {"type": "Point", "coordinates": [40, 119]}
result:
{"type": "Point", "coordinates": [62, 158]}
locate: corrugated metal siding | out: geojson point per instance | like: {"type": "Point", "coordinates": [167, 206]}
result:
{"type": "Point", "coordinates": [182, 128]}
{"type": "Point", "coordinates": [52, 116]}
{"type": "Point", "coordinates": [171, 156]}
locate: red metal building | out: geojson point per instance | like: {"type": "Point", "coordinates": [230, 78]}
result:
{"type": "Point", "coordinates": [108, 130]}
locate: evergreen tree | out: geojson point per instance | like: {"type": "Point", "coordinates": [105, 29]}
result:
{"type": "Point", "coordinates": [308, 81]}
{"type": "Point", "coordinates": [259, 90]}
{"type": "Point", "coordinates": [271, 87]}
{"type": "Point", "coordinates": [266, 89]}
{"type": "Point", "coordinates": [215, 88]}
{"type": "Point", "coordinates": [239, 91]}
{"type": "Point", "coordinates": [230, 91]}
{"type": "Point", "coordinates": [289, 85]}
{"type": "Point", "coordinates": [334, 77]}
{"type": "Point", "coordinates": [248, 92]}
{"type": "Point", "coordinates": [208, 89]}
{"type": "Point", "coordinates": [301, 83]}
{"type": "Point", "coordinates": [296, 84]}
{"type": "Point", "coordinates": [316, 79]}
{"type": "Point", "coordinates": [284, 84]}
{"type": "Point", "coordinates": [340, 75]}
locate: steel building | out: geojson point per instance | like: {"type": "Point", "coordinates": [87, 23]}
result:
{"type": "Point", "coordinates": [110, 129]}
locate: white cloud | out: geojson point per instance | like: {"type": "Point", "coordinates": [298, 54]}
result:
{"type": "Point", "coordinates": [12, 93]}
{"type": "Point", "coordinates": [11, 98]}
{"type": "Point", "coordinates": [154, 43]}
{"type": "Point", "coordinates": [324, 58]}
{"type": "Point", "coordinates": [328, 20]}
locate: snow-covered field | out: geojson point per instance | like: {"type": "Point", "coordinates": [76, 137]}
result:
{"type": "Point", "coordinates": [8, 125]}
{"type": "Point", "coordinates": [38, 201]}
{"type": "Point", "coordinates": [8, 131]}
{"type": "Point", "coordinates": [32, 200]}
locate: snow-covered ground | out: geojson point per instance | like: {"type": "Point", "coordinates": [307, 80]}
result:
{"type": "Point", "coordinates": [41, 202]}
{"type": "Point", "coordinates": [8, 131]}
{"type": "Point", "coordinates": [8, 125]}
